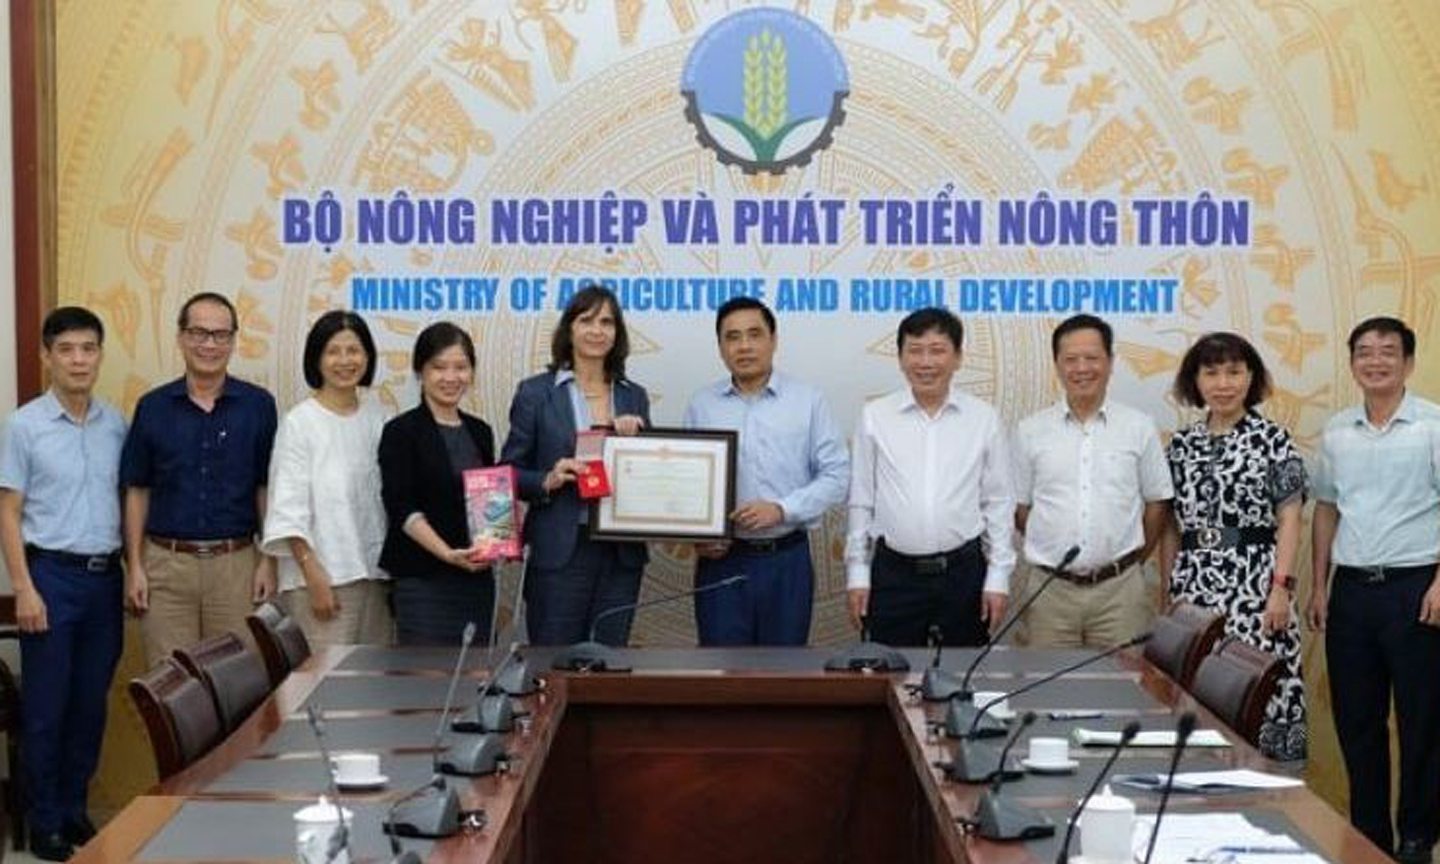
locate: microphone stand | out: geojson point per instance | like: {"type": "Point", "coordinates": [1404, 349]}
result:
{"type": "Point", "coordinates": [492, 711]}
{"type": "Point", "coordinates": [433, 810]}
{"type": "Point", "coordinates": [592, 656]}
{"type": "Point", "coordinates": [937, 684]}
{"type": "Point", "coordinates": [519, 678]}
{"type": "Point", "coordinates": [340, 839]}
{"type": "Point", "coordinates": [998, 818]}
{"type": "Point", "coordinates": [1126, 736]}
{"type": "Point", "coordinates": [1183, 728]}
{"type": "Point", "coordinates": [961, 712]}
{"type": "Point", "coordinates": [962, 690]}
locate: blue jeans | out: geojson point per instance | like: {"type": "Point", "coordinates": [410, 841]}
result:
{"type": "Point", "coordinates": [562, 604]}
{"type": "Point", "coordinates": [771, 607]}
{"type": "Point", "coordinates": [65, 673]}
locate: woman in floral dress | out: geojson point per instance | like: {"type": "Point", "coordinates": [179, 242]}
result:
{"type": "Point", "coordinates": [1235, 532]}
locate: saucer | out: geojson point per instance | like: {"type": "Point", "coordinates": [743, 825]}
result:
{"type": "Point", "coordinates": [1051, 768]}
{"type": "Point", "coordinates": [1001, 714]}
{"type": "Point", "coordinates": [362, 782]}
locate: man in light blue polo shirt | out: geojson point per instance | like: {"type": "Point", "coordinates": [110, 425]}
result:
{"type": "Point", "coordinates": [1377, 519]}
{"type": "Point", "coordinates": [792, 467]}
{"type": "Point", "coordinates": [60, 535]}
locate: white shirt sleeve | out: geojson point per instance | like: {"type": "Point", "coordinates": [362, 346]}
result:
{"type": "Point", "coordinates": [289, 513]}
{"type": "Point", "coordinates": [862, 505]}
{"type": "Point", "coordinates": [997, 509]}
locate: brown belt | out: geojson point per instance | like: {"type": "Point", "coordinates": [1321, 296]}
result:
{"type": "Point", "coordinates": [1101, 573]}
{"type": "Point", "coordinates": [202, 548]}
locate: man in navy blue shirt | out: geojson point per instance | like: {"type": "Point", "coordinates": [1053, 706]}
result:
{"type": "Point", "coordinates": [194, 470]}
{"type": "Point", "coordinates": [60, 535]}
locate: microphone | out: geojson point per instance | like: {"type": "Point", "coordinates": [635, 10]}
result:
{"type": "Point", "coordinates": [964, 720]}
{"type": "Point", "coordinates": [493, 711]}
{"type": "Point", "coordinates": [481, 754]}
{"type": "Point", "coordinates": [937, 684]}
{"type": "Point", "coordinates": [340, 838]}
{"type": "Point", "coordinates": [1126, 736]}
{"type": "Point", "coordinates": [975, 762]}
{"type": "Point", "coordinates": [997, 818]}
{"type": "Point", "coordinates": [519, 678]}
{"type": "Point", "coordinates": [963, 691]}
{"type": "Point", "coordinates": [1183, 727]}
{"type": "Point", "coordinates": [591, 656]}
{"type": "Point", "coordinates": [433, 810]}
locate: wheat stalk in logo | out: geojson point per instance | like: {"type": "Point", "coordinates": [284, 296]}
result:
{"type": "Point", "coordinates": [765, 88]}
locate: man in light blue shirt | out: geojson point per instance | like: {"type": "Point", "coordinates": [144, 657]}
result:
{"type": "Point", "coordinates": [60, 536]}
{"type": "Point", "coordinates": [792, 468]}
{"type": "Point", "coordinates": [1377, 519]}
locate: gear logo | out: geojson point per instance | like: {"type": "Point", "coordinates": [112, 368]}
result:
{"type": "Point", "coordinates": [765, 89]}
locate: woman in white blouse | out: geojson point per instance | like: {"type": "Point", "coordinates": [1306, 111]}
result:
{"type": "Point", "coordinates": [325, 522]}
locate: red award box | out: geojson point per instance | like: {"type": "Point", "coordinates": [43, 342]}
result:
{"type": "Point", "coordinates": [590, 450]}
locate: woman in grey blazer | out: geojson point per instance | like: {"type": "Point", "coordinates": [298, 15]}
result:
{"type": "Point", "coordinates": [571, 579]}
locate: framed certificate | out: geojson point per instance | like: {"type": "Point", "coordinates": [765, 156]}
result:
{"type": "Point", "coordinates": [667, 484]}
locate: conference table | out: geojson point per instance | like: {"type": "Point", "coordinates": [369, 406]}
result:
{"type": "Point", "coordinates": [696, 755]}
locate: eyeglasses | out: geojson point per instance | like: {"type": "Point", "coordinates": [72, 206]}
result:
{"type": "Point", "coordinates": [200, 335]}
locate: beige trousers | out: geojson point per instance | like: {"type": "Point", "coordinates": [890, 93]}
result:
{"type": "Point", "coordinates": [194, 598]}
{"type": "Point", "coordinates": [363, 619]}
{"type": "Point", "coordinates": [1088, 616]}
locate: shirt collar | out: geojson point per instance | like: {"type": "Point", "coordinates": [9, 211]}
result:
{"type": "Point", "coordinates": [908, 403]}
{"type": "Point", "coordinates": [772, 387]}
{"type": "Point", "coordinates": [1407, 412]}
{"type": "Point", "coordinates": [176, 389]}
{"type": "Point", "coordinates": [566, 375]}
{"type": "Point", "coordinates": [1102, 413]}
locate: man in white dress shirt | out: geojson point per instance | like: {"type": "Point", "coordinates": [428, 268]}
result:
{"type": "Point", "coordinates": [931, 501]}
{"type": "Point", "coordinates": [1089, 472]}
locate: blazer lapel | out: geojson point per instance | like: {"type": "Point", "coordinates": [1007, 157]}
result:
{"type": "Point", "coordinates": [562, 414]}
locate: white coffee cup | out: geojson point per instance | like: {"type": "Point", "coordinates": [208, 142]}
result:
{"type": "Point", "coordinates": [1000, 710]}
{"type": "Point", "coordinates": [1050, 752]}
{"type": "Point", "coordinates": [1107, 829]}
{"type": "Point", "coordinates": [315, 825]}
{"type": "Point", "coordinates": [356, 767]}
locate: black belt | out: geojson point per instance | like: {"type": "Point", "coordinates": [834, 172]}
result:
{"type": "Point", "coordinates": [929, 565]}
{"type": "Point", "coordinates": [769, 545]}
{"type": "Point", "coordinates": [1226, 537]}
{"type": "Point", "coordinates": [1099, 574]}
{"type": "Point", "coordinates": [1381, 574]}
{"type": "Point", "coordinates": [102, 563]}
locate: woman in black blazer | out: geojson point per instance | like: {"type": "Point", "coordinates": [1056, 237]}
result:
{"type": "Point", "coordinates": [438, 589]}
{"type": "Point", "coordinates": [571, 579]}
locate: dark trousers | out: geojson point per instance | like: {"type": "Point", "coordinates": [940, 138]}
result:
{"type": "Point", "coordinates": [1377, 647]}
{"type": "Point", "coordinates": [66, 674]}
{"type": "Point", "coordinates": [908, 597]}
{"type": "Point", "coordinates": [771, 607]}
{"type": "Point", "coordinates": [433, 608]}
{"type": "Point", "coordinates": [563, 603]}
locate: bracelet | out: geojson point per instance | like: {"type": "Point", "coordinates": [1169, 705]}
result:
{"type": "Point", "coordinates": [1283, 580]}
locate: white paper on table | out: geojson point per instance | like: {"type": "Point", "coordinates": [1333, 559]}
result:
{"type": "Point", "coordinates": [1211, 781]}
{"type": "Point", "coordinates": [1150, 738]}
{"type": "Point", "coordinates": [1188, 837]}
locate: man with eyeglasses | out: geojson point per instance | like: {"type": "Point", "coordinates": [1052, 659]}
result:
{"type": "Point", "coordinates": [194, 470]}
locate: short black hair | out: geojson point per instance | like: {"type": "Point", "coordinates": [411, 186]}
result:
{"type": "Point", "coordinates": [922, 321]}
{"type": "Point", "coordinates": [1383, 324]}
{"type": "Point", "coordinates": [1213, 349]}
{"type": "Point", "coordinates": [322, 331]}
{"type": "Point", "coordinates": [562, 345]}
{"type": "Point", "coordinates": [436, 338]}
{"type": "Point", "coordinates": [183, 320]}
{"type": "Point", "coordinates": [1083, 321]}
{"type": "Point", "coordinates": [67, 318]}
{"type": "Point", "coordinates": [738, 304]}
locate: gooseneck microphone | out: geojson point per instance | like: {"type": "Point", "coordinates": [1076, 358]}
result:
{"type": "Point", "coordinates": [1183, 727]}
{"type": "Point", "coordinates": [961, 711]}
{"type": "Point", "coordinates": [592, 656]}
{"type": "Point", "coordinates": [493, 710]}
{"type": "Point", "coordinates": [1126, 736]}
{"type": "Point", "coordinates": [963, 690]}
{"type": "Point", "coordinates": [432, 810]}
{"type": "Point", "coordinates": [998, 818]}
{"type": "Point", "coordinates": [340, 838]}
{"type": "Point", "coordinates": [1026, 721]}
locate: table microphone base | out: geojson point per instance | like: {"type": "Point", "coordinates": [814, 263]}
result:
{"type": "Point", "coordinates": [518, 679]}
{"type": "Point", "coordinates": [960, 722]}
{"type": "Point", "coordinates": [868, 657]}
{"type": "Point", "coordinates": [998, 818]}
{"type": "Point", "coordinates": [432, 813]}
{"type": "Point", "coordinates": [979, 763]}
{"type": "Point", "coordinates": [940, 685]}
{"type": "Point", "coordinates": [493, 713]}
{"type": "Point", "coordinates": [588, 657]}
{"type": "Point", "coordinates": [476, 756]}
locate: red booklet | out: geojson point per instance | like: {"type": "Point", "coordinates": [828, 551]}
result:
{"type": "Point", "coordinates": [490, 504]}
{"type": "Point", "coordinates": [590, 449]}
